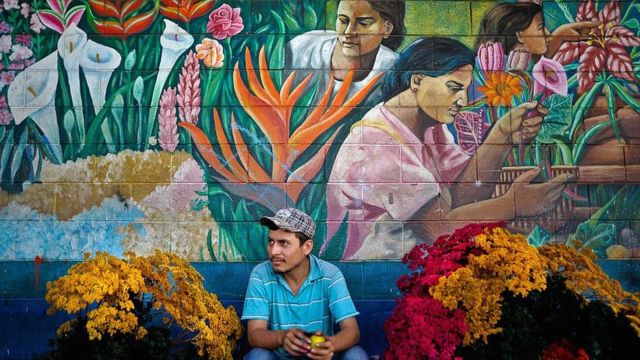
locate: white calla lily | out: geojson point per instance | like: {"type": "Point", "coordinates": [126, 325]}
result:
{"type": "Point", "coordinates": [174, 41]}
{"type": "Point", "coordinates": [98, 63]}
{"type": "Point", "coordinates": [70, 46]}
{"type": "Point", "coordinates": [32, 94]}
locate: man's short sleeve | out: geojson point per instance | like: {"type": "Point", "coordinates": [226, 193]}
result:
{"type": "Point", "coordinates": [256, 301]}
{"type": "Point", "coordinates": [340, 301]}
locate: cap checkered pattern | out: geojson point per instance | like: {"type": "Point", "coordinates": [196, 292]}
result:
{"type": "Point", "coordinates": [292, 220]}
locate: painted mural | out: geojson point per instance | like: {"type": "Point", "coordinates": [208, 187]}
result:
{"type": "Point", "coordinates": [130, 125]}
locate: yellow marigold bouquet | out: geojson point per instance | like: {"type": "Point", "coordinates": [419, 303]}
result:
{"type": "Point", "coordinates": [484, 292]}
{"type": "Point", "coordinates": [136, 300]}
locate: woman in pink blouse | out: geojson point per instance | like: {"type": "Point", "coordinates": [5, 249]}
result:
{"type": "Point", "coordinates": [400, 166]}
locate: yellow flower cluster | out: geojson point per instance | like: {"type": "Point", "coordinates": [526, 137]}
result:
{"type": "Point", "coordinates": [584, 277]}
{"type": "Point", "coordinates": [104, 280]}
{"type": "Point", "coordinates": [507, 263]}
{"type": "Point", "coordinates": [171, 283]}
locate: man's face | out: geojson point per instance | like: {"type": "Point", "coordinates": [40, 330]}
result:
{"type": "Point", "coordinates": [285, 251]}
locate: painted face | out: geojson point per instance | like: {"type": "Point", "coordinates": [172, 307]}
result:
{"type": "Point", "coordinates": [360, 28]}
{"type": "Point", "coordinates": [285, 251]}
{"type": "Point", "coordinates": [535, 38]}
{"type": "Point", "coordinates": [441, 97]}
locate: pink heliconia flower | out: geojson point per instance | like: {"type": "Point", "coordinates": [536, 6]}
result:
{"type": "Point", "coordinates": [59, 17]}
{"type": "Point", "coordinates": [225, 22]}
{"type": "Point", "coordinates": [605, 49]}
{"type": "Point", "coordinates": [518, 59]}
{"type": "Point", "coordinates": [491, 56]}
{"type": "Point", "coordinates": [168, 121]}
{"type": "Point", "coordinates": [189, 90]}
{"type": "Point", "coordinates": [550, 77]}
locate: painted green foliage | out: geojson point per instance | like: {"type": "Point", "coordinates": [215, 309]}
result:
{"type": "Point", "coordinates": [262, 95]}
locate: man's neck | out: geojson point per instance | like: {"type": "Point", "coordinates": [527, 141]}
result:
{"type": "Point", "coordinates": [296, 277]}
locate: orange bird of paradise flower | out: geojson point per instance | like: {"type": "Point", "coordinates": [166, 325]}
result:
{"type": "Point", "coordinates": [271, 110]}
{"type": "Point", "coordinates": [501, 88]}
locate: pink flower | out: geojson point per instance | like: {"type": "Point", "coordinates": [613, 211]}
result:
{"type": "Point", "coordinates": [518, 59]}
{"type": "Point", "coordinates": [550, 77]}
{"type": "Point", "coordinates": [6, 77]}
{"type": "Point", "coordinates": [491, 56]}
{"type": "Point", "coordinates": [11, 4]}
{"type": "Point", "coordinates": [20, 52]}
{"type": "Point", "coordinates": [25, 10]}
{"type": "Point", "coordinates": [189, 90]}
{"type": "Point", "coordinates": [225, 22]}
{"type": "Point", "coordinates": [5, 43]}
{"type": "Point", "coordinates": [5, 28]}
{"type": "Point", "coordinates": [606, 48]}
{"type": "Point", "coordinates": [5, 117]}
{"type": "Point", "coordinates": [35, 24]}
{"type": "Point", "coordinates": [168, 132]}
{"type": "Point", "coordinates": [211, 53]}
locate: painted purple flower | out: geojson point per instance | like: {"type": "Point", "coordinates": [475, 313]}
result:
{"type": "Point", "coordinates": [491, 56]}
{"type": "Point", "coordinates": [5, 28]}
{"type": "Point", "coordinates": [550, 77]}
{"type": "Point", "coordinates": [189, 90]}
{"type": "Point", "coordinates": [225, 22]}
{"type": "Point", "coordinates": [518, 59]}
{"type": "Point", "coordinates": [168, 122]}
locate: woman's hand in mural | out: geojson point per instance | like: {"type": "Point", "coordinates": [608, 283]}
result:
{"type": "Point", "coordinates": [522, 123]}
{"type": "Point", "coordinates": [536, 198]}
{"type": "Point", "coordinates": [569, 32]}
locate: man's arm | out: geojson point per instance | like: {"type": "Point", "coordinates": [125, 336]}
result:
{"type": "Point", "coordinates": [260, 336]}
{"type": "Point", "coordinates": [348, 336]}
{"type": "Point", "coordinates": [292, 340]}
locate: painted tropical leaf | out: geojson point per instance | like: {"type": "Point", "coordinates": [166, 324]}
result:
{"type": "Point", "coordinates": [558, 120]}
{"type": "Point", "coordinates": [471, 129]}
{"type": "Point", "coordinates": [598, 238]}
{"type": "Point", "coordinates": [591, 63]}
{"type": "Point", "coordinates": [538, 237]}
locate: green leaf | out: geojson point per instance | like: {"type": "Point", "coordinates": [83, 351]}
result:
{"type": "Point", "coordinates": [2, 132]}
{"type": "Point", "coordinates": [598, 238]}
{"type": "Point", "coordinates": [18, 154]}
{"type": "Point", "coordinates": [310, 19]}
{"type": "Point", "coordinates": [130, 60]}
{"type": "Point", "coordinates": [626, 96]}
{"type": "Point", "coordinates": [582, 105]}
{"type": "Point", "coordinates": [7, 150]}
{"type": "Point", "coordinates": [565, 151]}
{"type": "Point", "coordinates": [632, 24]}
{"type": "Point", "coordinates": [558, 120]}
{"type": "Point", "coordinates": [538, 237]}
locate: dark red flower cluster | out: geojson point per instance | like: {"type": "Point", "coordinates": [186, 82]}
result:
{"type": "Point", "coordinates": [420, 327]}
{"type": "Point", "coordinates": [563, 350]}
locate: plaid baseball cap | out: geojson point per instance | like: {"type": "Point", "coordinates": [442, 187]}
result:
{"type": "Point", "coordinates": [292, 220]}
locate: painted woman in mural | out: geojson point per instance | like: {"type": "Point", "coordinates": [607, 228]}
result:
{"type": "Point", "coordinates": [407, 138]}
{"type": "Point", "coordinates": [366, 37]}
{"type": "Point", "coordinates": [521, 26]}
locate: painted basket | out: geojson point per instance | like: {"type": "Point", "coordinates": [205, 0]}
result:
{"type": "Point", "coordinates": [549, 220]}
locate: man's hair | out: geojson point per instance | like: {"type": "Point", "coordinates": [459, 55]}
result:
{"type": "Point", "coordinates": [301, 236]}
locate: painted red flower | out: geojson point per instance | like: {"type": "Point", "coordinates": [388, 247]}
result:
{"type": "Point", "coordinates": [605, 49]}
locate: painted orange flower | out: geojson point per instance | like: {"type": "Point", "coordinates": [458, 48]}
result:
{"type": "Point", "coordinates": [210, 52]}
{"type": "Point", "coordinates": [501, 88]}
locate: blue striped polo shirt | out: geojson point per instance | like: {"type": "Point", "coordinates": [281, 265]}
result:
{"type": "Point", "coordinates": [322, 301]}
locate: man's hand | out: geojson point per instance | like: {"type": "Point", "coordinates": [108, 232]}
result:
{"type": "Point", "coordinates": [323, 350]}
{"type": "Point", "coordinates": [295, 342]}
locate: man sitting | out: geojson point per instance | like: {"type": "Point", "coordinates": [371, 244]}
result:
{"type": "Point", "coordinates": [295, 294]}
